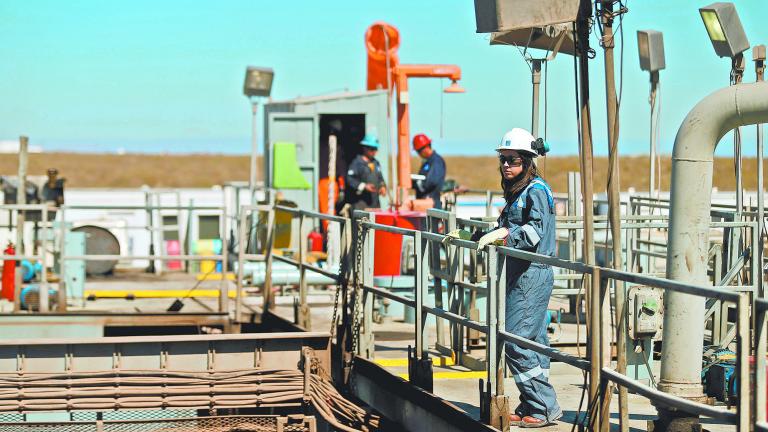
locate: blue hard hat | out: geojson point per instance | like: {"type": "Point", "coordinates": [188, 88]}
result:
{"type": "Point", "coordinates": [370, 140]}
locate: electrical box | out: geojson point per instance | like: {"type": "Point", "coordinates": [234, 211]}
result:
{"type": "Point", "coordinates": [644, 305]}
{"type": "Point", "coordinates": [650, 46]}
{"type": "Point", "coordinates": [503, 15]}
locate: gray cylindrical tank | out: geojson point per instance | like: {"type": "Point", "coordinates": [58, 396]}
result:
{"type": "Point", "coordinates": [99, 241]}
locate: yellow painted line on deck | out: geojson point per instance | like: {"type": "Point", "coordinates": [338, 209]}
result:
{"type": "Point", "coordinates": [453, 375]}
{"type": "Point", "coordinates": [214, 276]}
{"type": "Point", "coordinates": [403, 362]}
{"type": "Point", "coordinates": [176, 293]}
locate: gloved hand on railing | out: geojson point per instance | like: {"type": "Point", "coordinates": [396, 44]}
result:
{"type": "Point", "coordinates": [496, 236]}
{"type": "Point", "coordinates": [457, 234]}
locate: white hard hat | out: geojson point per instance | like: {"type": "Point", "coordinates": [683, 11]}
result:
{"type": "Point", "coordinates": [519, 140]}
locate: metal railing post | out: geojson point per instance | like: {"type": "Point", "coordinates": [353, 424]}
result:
{"type": "Point", "coordinates": [366, 338]}
{"type": "Point", "coordinates": [499, 406]}
{"type": "Point", "coordinates": [743, 352]}
{"type": "Point", "coordinates": [224, 283]}
{"type": "Point", "coordinates": [62, 304]}
{"type": "Point", "coordinates": [761, 340]}
{"type": "Point", "coordinates": [422, 273]}
{"type": "Point", "coordinates": [268, 295]}
{"type": "Point", "coordinates": [240, 263]}
{"type": "Point", "coordinates": [44, 303]}
{"type": "Point", "coordinates": [304, 315]}
{"type": "Point", "coordinates": [595, 358]}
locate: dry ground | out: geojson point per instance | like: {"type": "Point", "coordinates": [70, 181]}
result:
{"type": "Point", "coordinates": [202, 170]}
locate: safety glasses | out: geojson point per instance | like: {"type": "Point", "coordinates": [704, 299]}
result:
{"type": "Point", "coordinates": [513, 161]}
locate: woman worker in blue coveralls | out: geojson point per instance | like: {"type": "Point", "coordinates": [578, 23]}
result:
{"type": "Point", "coordinates": [527, 223]}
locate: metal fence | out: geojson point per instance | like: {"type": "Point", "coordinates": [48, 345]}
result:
{"type": "Point", "coordinates": [597, 365]}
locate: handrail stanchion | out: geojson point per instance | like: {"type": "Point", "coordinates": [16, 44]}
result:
{"type": "Point", "coordinates": [366, 338]}
{"type": "Point", "coordinates": [422, 273]}
{"type": "Point", "coordinates": [44, 302]}
{"type": "Point", "coordinates": [62, 304]}
{"type": "Point", "coordinates": [761, 339]}
{"type": "Point", "coordinates": [240, 263]}
{"type": "Point", "coordinates": [224, 283]}
{"type": "Point", "coordinates": [743, 351]}
{"type": "Point", "coordinates": [595, 335]}
{"type": "Point", "coordinates": [268, 295]}
{"type": "Point", "coordinates": [606, 386]}
{"type": "Point", "coordinates": [303, 315]}
{"type": "Point", "coordinates": [499, 406]}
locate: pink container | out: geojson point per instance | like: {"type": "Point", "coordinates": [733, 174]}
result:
{"type": "Point", "coordinates": [173, 247]}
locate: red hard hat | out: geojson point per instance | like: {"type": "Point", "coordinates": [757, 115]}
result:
{"type": "Point", "coordinates": [420, 141]}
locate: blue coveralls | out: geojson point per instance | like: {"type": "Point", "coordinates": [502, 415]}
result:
{"type": "Point", "coordinates": [530, 220]}
{"type": "Point", "coordinates": [433, 170]}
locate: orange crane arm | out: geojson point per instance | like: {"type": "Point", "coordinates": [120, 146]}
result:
{"type": "Point", "coordinates": [402, 73]}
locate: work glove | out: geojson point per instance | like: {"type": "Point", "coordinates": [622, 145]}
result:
{"type": "Point", "coordinates": [496, 236]}
{"type": "Point", "coordinates": [457, 234]}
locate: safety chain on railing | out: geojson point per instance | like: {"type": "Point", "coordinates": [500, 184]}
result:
{"type": "Point", "coordinates": [357, 304]}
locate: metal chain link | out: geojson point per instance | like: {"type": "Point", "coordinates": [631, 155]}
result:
{"type": "Point", "coordinates": [342, 286]}
{"type": "Point", "coordinates": [357, 305]}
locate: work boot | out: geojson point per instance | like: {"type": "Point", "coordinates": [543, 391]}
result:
{"type": "Point", "coordinates": [533, 422]}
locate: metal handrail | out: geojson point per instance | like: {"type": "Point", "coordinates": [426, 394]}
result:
{"type": "Point", "coordinates": [604, 274]}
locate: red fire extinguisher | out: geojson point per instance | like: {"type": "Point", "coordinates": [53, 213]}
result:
{"type": "Point", "coordinates": [9, 274]}
{"type": "Point", "coordinates": [315, 240]}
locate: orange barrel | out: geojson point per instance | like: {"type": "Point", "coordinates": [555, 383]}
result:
{"type": "Point", "coordinates": [389, 246]}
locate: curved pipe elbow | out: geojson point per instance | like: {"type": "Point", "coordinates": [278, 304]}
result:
{"type": "Point", "coordinates": [716, 115]}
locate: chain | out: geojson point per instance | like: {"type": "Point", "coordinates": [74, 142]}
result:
{"type": "Point", "coordinates": [357, 305]}
{"type": "Point", "coordinates": [342, 286]}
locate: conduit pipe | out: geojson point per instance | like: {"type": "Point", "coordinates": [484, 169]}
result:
{"type": "Point", "coordinates": [690, 204]}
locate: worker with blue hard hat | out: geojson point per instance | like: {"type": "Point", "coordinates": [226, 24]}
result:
{"type": "Point", "coordinates": [526, 223]}
{"type": "Point", "coordinates": [364, 181]}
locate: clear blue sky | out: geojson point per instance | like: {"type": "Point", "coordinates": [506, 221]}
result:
{"type": "Point", "coordinates": [93, 75]}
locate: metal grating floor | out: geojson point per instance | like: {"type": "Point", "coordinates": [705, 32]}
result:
{"type": "Point", "coordinates": [199, 424]}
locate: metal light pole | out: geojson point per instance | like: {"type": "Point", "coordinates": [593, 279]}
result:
{"type": "Point", "coordinates": [536, 81]}
{"type": "Point", "coordinates": [729, 40]}
{"type": "Point", "coordinates": [650, 46]}
{"type": "Point", "coordinates": [614, 213]}
{"type": "Point", "coordinates": [258, 84]}
{"type": "Point", "coordinates": [759, 56]}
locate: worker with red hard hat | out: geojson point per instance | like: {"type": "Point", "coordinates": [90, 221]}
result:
{"type": "Point", "coordinates": [429, 182]}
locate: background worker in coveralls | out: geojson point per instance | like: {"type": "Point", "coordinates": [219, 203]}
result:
{"type": "Point", "coordinates": [527, 223]}
{"type": "Point", "coordinates": [364, 180]}
{"type": "Point", "coordinates": [432, 171]}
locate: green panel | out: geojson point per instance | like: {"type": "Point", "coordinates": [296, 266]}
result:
{"type": "Point", "coordinates": [286, 172]}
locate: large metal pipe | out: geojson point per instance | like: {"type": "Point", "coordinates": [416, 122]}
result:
{"type": "Point", "coordinates": [691, 193]}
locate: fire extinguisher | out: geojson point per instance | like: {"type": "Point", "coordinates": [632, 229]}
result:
{"type": "Point", "coordinates": [315, 240]}
{"type": "Point", "coordinates": [9, 274]}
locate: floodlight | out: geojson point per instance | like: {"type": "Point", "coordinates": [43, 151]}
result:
{"type": "Point", "coordinates": [258, 81]}
{"type": "Point", "coordinates": [505, 15]}
{"type": "Point", "coordinates": [758, 53]}
{"type": "Point", "coordinates": [650, 46]}
{"type": "Point", "coordinates": [724, 29]}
